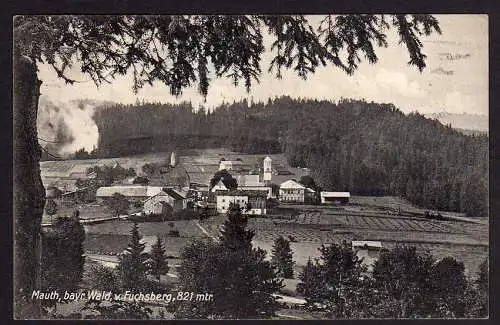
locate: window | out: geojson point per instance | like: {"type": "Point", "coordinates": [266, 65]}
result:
{"type": "Point", "coordinates": [223, 200]}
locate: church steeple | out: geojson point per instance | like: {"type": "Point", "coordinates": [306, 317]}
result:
{"type": "Point", "coordinates": [267, 170]}
{"type": "Point", "coordinates": [173, 160]}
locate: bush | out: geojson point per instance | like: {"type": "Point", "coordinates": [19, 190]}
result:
{"type": "Point", "coordinates": [174, 233]}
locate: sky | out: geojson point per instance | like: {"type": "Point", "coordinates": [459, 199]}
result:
{"type": "Point", "coordinates": [454, 81]}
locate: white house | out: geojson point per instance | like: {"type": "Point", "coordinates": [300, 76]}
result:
{"type": "Point", "coordinates": [226, 164]}
{"type": "Point", "coordinates": [292, 191]}
{"type": "Point", "coordinates": [335, 197]}
{"type": "Point", "coordinates": [251, 202]}
{"type": "Point", "coordinates": [368, 251]}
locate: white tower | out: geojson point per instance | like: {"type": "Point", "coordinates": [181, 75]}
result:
{"type": "Point", "coordinates": [267, 169]}
{"type": "Point", "coordinates": [173, 161]}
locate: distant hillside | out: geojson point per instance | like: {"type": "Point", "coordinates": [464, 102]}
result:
{"type": "Point", "coordinates": [463, 122]}
{"type": "Point", "coordinates": [364, 148]}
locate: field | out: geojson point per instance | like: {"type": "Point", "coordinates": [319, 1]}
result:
{"type": "Point", "coordinates": [112, 237]}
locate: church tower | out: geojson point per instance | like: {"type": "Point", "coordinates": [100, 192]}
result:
{"type": "Point", "coordinates": [173, 161]}
{"type": "Point", "coordinates": [267, 170]}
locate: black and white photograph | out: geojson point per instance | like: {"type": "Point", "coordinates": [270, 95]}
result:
{"type": "Point", "coordinates": [230, 167]}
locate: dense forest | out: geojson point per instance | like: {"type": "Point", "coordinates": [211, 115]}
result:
{"type": "Point", "coordinates": [350, 145]}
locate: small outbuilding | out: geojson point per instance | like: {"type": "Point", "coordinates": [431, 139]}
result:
{"type": "Point", "coordinates": [368, 251]}
{"type": "Point", "coordinates": [335, 197]}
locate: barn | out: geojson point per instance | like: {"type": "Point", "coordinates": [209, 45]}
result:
{"type": "Point", "coordinates": [335, 197]}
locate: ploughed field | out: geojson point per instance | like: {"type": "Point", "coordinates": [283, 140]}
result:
{"type": "Point", "coordinates": [312, 226]}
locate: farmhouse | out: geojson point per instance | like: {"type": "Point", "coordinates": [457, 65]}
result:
{"type": "Point", "coordinates": [368, 251]}
{"type": "Point", "coordinates": [292, 191]}
{"type": "Point", "coordinates": [220, 186]}
{"type": "Point", "coordinates": [251, 202]}
{"type": "Point", "coordinates": [157, 203]}
{"type": "Point", "coordinates": [226, 164]}
{"type": "Point", "coordinates": [335, 197]}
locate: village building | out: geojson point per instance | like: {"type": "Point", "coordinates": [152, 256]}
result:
{"type": "Point", "coordinates": [335, 197]}
{"type": "Point", "coordinates": [226, 164]}
{"type": "Point", "coordinates": [251, 202]}
{"type": "Point", "coordinates": [268, 175]}
{"type": "Point", "coordinates": [220, 186]}
{"type": "Point", "coordinates": [292, 191]}
{"type": "Point", "coordinates": [249, 180]}
{"type": "Point", "coordinates": [175, 177]}
{"type": "Point", "coordinates": [367, 251]}
{"type": "Point", "coordinates": [157, 204]}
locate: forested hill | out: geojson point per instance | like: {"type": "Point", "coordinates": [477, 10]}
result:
{"type": "Point", "coordinates": [365, 148]}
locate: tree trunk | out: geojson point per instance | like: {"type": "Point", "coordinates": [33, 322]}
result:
{"type": "Point", "coordinates": [29, 193]}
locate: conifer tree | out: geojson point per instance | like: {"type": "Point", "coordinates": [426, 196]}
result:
{"type": "Point", "coordinates": [158, 264]}
{"type": "Point", "coordinates": [50, 207]}
{"type": "Point", "coordinates": [234, 234]}
{"type": "Point", "coordinates": [241, 280]}
{"type": "Point", "coordinates": [132, 267]}
{"type": "Point", "coordinates": [312, 284]}
{"type": "Point", "coordinates": [282, 257]}
{"type": "Point", "coordinates": [334, 283]}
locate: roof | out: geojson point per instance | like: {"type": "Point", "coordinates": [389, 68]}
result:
{"type": "Point", "coordinates": [249, 193]}
{"type": "Point", "coordinates": [169, 192]}
{"type": "Point", "coordinates": [366, 243]}
{"type": "Point", "coordinates": [131, 191]}
{"type": "Point", "coordinates": [174, 194]}
{"type": "Point", "coordinates": [335, 194]}
{"type": "Point", "coordinates": [292, 184]}
{"type": "Point", "coordinates": [267, 159]}
{"type": "Point", "coordinates": [310, 190]}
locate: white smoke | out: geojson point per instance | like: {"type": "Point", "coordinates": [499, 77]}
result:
{"type": "Point", "coordinates": [66, 127]}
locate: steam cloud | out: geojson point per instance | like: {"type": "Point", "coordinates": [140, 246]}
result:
{"type": "Point", "coordinates": [66, 127]}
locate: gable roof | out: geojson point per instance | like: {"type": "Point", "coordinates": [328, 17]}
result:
{"type": "Point", "coordinates": [292, 184]}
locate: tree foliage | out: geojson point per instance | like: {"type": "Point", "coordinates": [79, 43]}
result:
{"type": "Point", "coordinates": [62, 257]}
{"type": "Point", "coordinates": [227, 179]}
{"type": "Point", "coordinates": [179, 50]}
{"type": "Point", "coordinates": [335, 283]}
{"type": "Point", "coordinates": [141, 180]}
{"type": "Point", "coordinates": [158, 264]}
{"type": "Point", "coordinates": [132, 266]}
{"type": "Point", "coordinates": [233, 233]}
{"type": "Point", "coordinates": [118, 204]}
{"type": "Point", "coordinates": [403, 284]}
{"type": "Point", "coordinates": [282, 257]}
{"type": "Point", "coordinates": [51, 207]}
{"type": "Point", "coordinates": [241, 280]}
